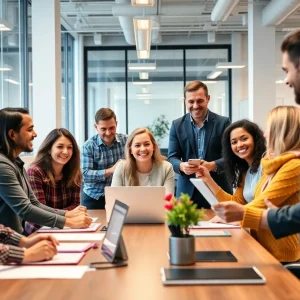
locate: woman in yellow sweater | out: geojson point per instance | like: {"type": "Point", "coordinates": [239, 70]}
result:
{"type": "Point", "coordinates": [280, 183]}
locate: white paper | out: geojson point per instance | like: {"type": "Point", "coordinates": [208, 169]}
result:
{"type": "Point", "coordinates": [34, 272]}
{"type": "Point", "coordinates": [79, 236]}
{"type": "Point", "coordinates": [61, 259]}
{"type": "Point", "coordinates": [209, 225]}
{"type": "Point", "coordinates": [198, 232]}
{"type": "Point", "coordinates": [204, 190]}
{"type": "Point", "coordinates": [74, 247]}
{"type": "Point", "coordinates": [94, 219]}
{"type": "Point", "coordinates": [92, 228]}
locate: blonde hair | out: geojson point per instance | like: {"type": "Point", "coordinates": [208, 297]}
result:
{"type": "Point", "coordinates": [130, 162]}
{"type": "Point", "coordinates": [283, 130]}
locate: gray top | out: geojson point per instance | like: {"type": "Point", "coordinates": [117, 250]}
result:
{"type": "Point", "coordinates": [251, 181]}
{"type": "Point", "coordinates": [160, 175]}
{"type": "Point", "coordinates": [18, 202]}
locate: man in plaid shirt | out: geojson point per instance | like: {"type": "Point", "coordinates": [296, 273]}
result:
{"type": "Point", "coordinates": [99, 157]}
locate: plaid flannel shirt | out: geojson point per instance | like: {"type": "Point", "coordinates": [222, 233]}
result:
{"type": "Point", "coordinates": [57, 197]}
{"type": "Point", "coordinates": [95, 158]}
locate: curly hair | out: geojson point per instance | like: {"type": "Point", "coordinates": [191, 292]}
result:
{"type": "Point", "coordinates": [234, 166]}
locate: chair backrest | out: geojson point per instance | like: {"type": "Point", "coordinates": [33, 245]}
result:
{"type": "Point", "coordinates": [28, 159]}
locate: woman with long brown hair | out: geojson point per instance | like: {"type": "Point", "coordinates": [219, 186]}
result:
{"type": "Point", "coordinates": [55, 175]}
{"type": "Point", "coordinates": [143, 165]}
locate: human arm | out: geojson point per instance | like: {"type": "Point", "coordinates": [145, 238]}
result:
{"type": "Point", "coordinates": [204, 174]}
{"type": "Point", "coordinates": [87, 165]}
{"type": "Point", "coordinates": [283, 221]}
{"type": "Point", "coordinates": [15, 191]}
{"type": "Point", "coordinates": [169, 181]}
{"type": "Point", "coordinates": [10, 252]}
{"type": "Point", "coordinates": [284, 185]}
{"type": "Point", "coordinates": [118, 178]}
{"type": "Point", "coordinates": [12, 191]}
{"type": "Point", "coordinates": [37, 248]}
{"type": "Point", "coordinates": [229, 211]}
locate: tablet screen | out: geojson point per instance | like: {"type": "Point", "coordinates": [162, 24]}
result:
{"type": "Point", "coordinates": [114, 230]}
{"type": "Point", "coordinates": [215, 256]}
{"type": "Point", "coordinates": [212, 275]}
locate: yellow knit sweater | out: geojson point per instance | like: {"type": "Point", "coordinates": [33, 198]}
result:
{"type": "Point", "coordinates": [282, 190]}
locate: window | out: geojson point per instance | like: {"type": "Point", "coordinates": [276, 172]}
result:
{"type": "Point", "coordinates": [10, 55]}
{"type": "Point", "coordinates": [67, 84]}
{"type": "Point", "coordinates": [139, 102]}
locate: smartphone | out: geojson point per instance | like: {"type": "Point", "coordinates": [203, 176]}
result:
{"type": "Point", "coordinates": [195, 162]}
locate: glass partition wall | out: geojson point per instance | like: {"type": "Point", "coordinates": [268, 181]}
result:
{"type": "Point", "coordinates": [10, 55]}
{"type": "Point", "coordinates": [149, 97]}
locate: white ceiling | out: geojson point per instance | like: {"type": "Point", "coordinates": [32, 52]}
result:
{"type": "Point", "coordinates": [174, 17]}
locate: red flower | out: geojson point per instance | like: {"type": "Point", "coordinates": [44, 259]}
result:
{"type": "Point", "coordinates": [168, 197]}
{"type": "Point", "coordinates": [169, 206]}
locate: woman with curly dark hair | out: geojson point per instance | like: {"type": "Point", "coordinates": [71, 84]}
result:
{"type": "Point", "coordinates": [243, 145]}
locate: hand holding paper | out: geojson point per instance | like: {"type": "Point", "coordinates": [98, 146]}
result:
{"type": "Point", "coordinates": [230, 211]}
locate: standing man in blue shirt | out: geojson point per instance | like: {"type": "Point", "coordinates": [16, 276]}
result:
{"type": "Point", "coordinates": [197, 135]}
{"type": "Point", "coordinates": [99, 158]}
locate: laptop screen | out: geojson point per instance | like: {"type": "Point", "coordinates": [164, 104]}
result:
{"type": "Point", "coordinates": [114, 230]}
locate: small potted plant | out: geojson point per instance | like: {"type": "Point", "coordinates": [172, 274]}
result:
{"type": "Point", "coordinates": [181, 213]}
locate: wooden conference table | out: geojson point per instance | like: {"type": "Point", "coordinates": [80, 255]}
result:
{"type": "Point", "coordinates": [147, 246]}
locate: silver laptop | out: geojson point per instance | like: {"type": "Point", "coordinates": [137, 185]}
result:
{"type": "Point", "coordinates": [146, 202]}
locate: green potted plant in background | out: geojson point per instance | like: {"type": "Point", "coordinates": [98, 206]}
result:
{"type": "Point", "coordinates": [181, 213]}
{"type": "Point", "coordinates": [159, 128]}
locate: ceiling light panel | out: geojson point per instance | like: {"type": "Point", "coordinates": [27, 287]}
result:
{"type": "Point", "coordinates": [142, 33]}
{"type": "Point", "coordinates": [230, 65]}
{"type": "Point", "coordinates": [142, 2]}
{"type": "Point", "coordinates": [141, 82]}
{"type": "Point", "coordinates": [142, 66]}
{"type": "Point", "coordinates": [144, 75]}
{"type": "Point", "coordinates": [214, 74]}
{"type": "Point", "coordinates": [5, 26]}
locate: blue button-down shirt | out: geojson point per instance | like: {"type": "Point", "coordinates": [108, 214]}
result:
{"type": "Point", "coordinates": [96, 157]}
{"type": "Point", "coordinates": [199, 135]}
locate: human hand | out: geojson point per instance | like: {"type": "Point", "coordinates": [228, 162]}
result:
{"type": "Point", "coordinates": [27, 242]}
{"type": "Point", "coordinates": [216, 219]}
{"type": "Point", "coordinates": [81, 221]}
{"type": "Point", "coordinates": [43, 250]}
{"type": "Point", "coordinates": [209, 165]}
{"type": "Point", "coordinates": [187, 168]}
{"type": "Point", "coordinates": [110, 171]}
{"type": "Point", "coordinates": [229, 211]}
{"type": "Point", "coordinates": [79, 210]}
{"type": "Point", "coordinates": [203, 173]}
{"type": "Point", "coordinates": [269, 204]}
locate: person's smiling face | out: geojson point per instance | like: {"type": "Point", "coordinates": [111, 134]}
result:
{"type": "Point", "coordinates": [292, 75]}
{"type": "Point", "coordinates": [196, 103]}
{"type": "Point", "coordinates": [142, 148]}
{"type": "Point", "coordinates": [24, 138]}
{"type": "Point", "coordinates": [61, 151]}
{"type": "Point", "coordinates": [242, 144]}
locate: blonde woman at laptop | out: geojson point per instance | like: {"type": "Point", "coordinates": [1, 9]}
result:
{"type": "Point", "coordinates": [143, 164]}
